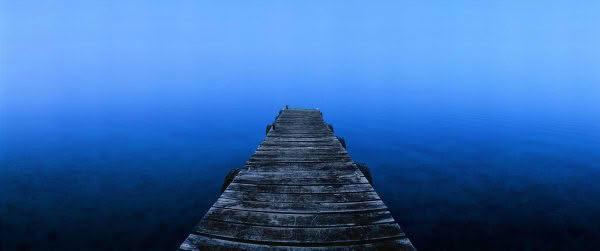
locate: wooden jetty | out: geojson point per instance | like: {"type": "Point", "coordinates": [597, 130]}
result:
{"type": "Point", "coordinates": [300, 190]}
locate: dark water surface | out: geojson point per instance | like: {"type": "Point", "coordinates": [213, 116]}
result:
{"type": "Point", "coordinates": [476, 175]}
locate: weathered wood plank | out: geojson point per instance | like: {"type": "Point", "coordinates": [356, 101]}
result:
{"type": "Point", "coordinates": [311, 159]}
{"type": "Point", "coordinates": [302, 137]}
{"type": "Point", "coordinates": [300, 171]}
{"type": "Point", "coordinates": [298, 144]}
{"type": "Point", "coordinates": [307, 173]}
{"type": "Point", "coordinates": [300, 207]}
{"type": "Point", "coordinates": [325, 139]}
{"type": "Point", "coordinates": [288, 235]}
{"type": "Point", "coordinates": [293, 156]}
{"type": "Point", "coordinates": [301, 142]}
{"type": "Point", "coordinates": [282, 132]}
{"type": "Point", "coordinates": [301, 126]}
{"type": "Point", "coordinates": [283, 129]}
{"type": "Point", "coordinates": [308, 161]}
{"type": "Point", "coordinates": [310, 140]}
{"type": "Point", "coordinates": [300, 153]}
{"type": "Point", "coordinates": [337, 219]}
{"type": "Point", "coordinates": [302, 117]}
{"type": "Point", "coordinates": [198, 242]}
{"type": "Point", "coordinates": [294, 197]}
{"type": "Point", "coordinates": [299, 166]}
{"type": "Point", "coordinates": [300, 189]}
{"type": "Point", "coordinates": [289, 179]}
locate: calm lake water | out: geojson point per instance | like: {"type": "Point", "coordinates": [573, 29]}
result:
{"type": "Point", "coordinates": [457, 170]}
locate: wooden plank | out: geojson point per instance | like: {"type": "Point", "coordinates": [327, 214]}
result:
{"type": "Point", "coordinates": [290, 179]}
{"type": "Point", "coordinates": [306, 173]}
{"type": "Point", "coordinates": [297, 151]}
{"type": "Point", "coordinates": [275, 133]}
{"type": "Point", "coordinates": [293, 162]}
{"type": "Point", "coordinates": [298, 136]}
{"type": "Point", "coordinates": [198, 242]}
{"type": "Point", "coordinates": [300, 153]}
{"type": "Point", "coordinates": [303, 116]}
{"type": "Point", "coordinates": [300, 189]}
{"type": "Point", "coordinates": [300, 207]}
{"type": "Point", "coordinates": [301, 169]}
{"type": "Point", "coordinates": [299, 121]}
{"type": "Point", "coordinates": [267, 161]}
{"type": "Point", "coordinates": [303, 130]}
{"type": "Point", "coordinates": [310, 140]}
{"type": "Point", "coordinates": [318, 140]}
{"type": "Point", "coordinates": [311, 158]}
{"type": "Point", "coordinates": [301, 166]}
{"type": "Point", "coordinates": [324, 139]}
{"type": "Point", "coordinates": [367, 217]}
{"type": "Point", "coordinates": [290, 155]}
{"type": "Point", "coordinates": [301, 125]}
{"type": "Point", "coordinates": [297, 144]}
{"type": "Point", "coordinates": [301, 149]}
{"type": "Point", "coordinates": [288, 235]}
{"type": "Point", "coordinates": [293, 197]}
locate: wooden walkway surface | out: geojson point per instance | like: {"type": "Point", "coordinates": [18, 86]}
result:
{"type": "Point", "coordinates": [299, 190]}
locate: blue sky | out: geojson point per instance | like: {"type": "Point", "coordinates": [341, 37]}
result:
{"type": "Point", "coordinates": [114, 49]}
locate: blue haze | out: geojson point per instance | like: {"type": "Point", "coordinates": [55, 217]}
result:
{"type": "Point", "coordinates": [480, 122]}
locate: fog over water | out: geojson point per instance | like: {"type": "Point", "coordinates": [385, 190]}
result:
{"type": "Point", "coordinates": [479, 121]}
